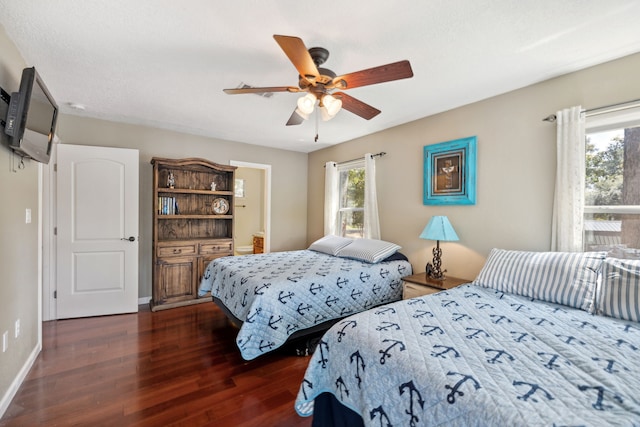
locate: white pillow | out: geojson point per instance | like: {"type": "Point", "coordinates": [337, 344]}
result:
{"type": "Point", "coordinates": [369, 250]}
{"type": "Point", "coordinates": [567, 278]}
{"type": "Point", "coordinates": [330, 244]}
{"type": "Point", "coordinates": [619, 289]}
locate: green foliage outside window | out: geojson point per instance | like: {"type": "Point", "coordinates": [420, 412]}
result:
{"type": "Point", "coordinates": [352, 202]}
{"type": "Point", "coordinates": [604, 177]}
{"type": "Point", "coordinates": [613, 179]}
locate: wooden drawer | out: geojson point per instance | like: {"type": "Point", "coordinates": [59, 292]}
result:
{"type": "Point", "coordinates": [258, 245]}
{"type": "Point", "coordinates": [216, 247]}
{"type": "Point", "coordinates": [178, 249]}
{"type": "Point", "coordinates": [412, 290]}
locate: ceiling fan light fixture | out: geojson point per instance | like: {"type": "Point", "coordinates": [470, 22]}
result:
{"type": "Point", "coordinates": [325, 114]}
{"type": "Point", "coordinates": [307, 103]}
{"type": "Point", "coordinates": [332, 104]}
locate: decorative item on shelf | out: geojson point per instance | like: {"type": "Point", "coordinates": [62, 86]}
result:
{"type": "Point", "coordinates": [438, 228]}
{"type": "Point", "coordinates": [220, 206]}
{"type": "Point", "coordinates": [213, 186]}
{"type": "Point", "coordinates": [171, 180]}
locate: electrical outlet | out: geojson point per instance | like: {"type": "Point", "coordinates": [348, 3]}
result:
{"type": "Point", "coordinates": [17, 329]}
{"type": "Point", "coordinates": [5, 341]}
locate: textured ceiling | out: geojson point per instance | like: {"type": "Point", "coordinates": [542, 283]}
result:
{"type": "Point", "coordinates": [164, 63]}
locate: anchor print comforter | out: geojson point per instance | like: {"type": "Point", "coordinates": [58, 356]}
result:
{"type": "Point", "coordinates": [474, 356]}
{"type": "Point", "coordinates": [280, 293]}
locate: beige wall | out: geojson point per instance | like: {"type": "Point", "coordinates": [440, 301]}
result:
{"type": "Point", "coordinates": [515, 167]}
{"type": "Point", "coordinates": [288, 169]}
{"type": "Point", "coordinates": [19, 241]}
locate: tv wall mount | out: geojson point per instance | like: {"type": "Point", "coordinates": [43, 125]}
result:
{"type": "Point", "coordinates": [6, 98]}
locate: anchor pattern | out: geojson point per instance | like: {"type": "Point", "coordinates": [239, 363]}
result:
{"type": "Point", "coordinates": [407, 363]}
{"type": "Point", "coordinates": [602, 396]}
{"type": "Point", "coordinates": [456, 388]}
{"type": "Point", "coordinates": [278, 294]}
{"type": "Point", "coordinates": [414, 396]}
{"type": "Point", "coordinates": [533, 390]}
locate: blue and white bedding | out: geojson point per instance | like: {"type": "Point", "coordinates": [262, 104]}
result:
{"type": "Point", "coordinates": [280, 293]}
{"type": "Point", "coordinates": [479, 356]}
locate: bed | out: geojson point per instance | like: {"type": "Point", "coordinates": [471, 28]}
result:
{"type": "Point", "coordinates": [277, 297]}
{"type": "Point", "coordinates": [546, 339]}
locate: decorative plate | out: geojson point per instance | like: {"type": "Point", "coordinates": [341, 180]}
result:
{"type": "Point", "coordinates": [220, 206]}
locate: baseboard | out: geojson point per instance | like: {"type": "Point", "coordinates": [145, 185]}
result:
{"type": "Point", "coordinates": [144, 300]}
{"type": "Point", "coordinates": [17, 382]}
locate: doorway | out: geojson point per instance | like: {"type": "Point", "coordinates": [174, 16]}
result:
{"type": "Point", "coordinates": [252, 210]}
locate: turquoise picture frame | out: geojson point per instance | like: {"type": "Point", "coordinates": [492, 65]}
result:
{"type": "Point", "coordinates": [450, 172]}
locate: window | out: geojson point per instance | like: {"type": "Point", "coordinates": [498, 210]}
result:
{"type": "Point", "coordinates": [612, 193]}
{"type": "Point", "coordinates": [351, 200]}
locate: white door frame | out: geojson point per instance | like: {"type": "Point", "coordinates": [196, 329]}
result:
{"type": "Point", "coordinates": [267, 198]}
{"type": "Point", "coordinates": [48, 204]}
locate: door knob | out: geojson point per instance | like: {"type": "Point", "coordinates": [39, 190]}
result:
{"type": "Point", "coordinates": [131, 239]}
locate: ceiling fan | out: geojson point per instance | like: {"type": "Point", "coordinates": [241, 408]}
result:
{"type": "Point", "coordinates": [323, 87]}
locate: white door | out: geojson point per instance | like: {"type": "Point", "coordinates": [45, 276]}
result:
{"type": "Point", "coordinates": [97, 240]}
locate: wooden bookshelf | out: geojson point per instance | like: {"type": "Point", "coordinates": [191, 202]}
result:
{"type": "Point", "coordinates": [190, 226]}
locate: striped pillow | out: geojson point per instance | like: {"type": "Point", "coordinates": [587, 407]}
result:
{"type": "Point", "coordinates": [369, 250]}
{"type": "Point", "coordinates": [619, 290]}
{"type": "Point", "coordinates": [567, 278]}
{"type": "Point", "coordinates": [330, 244]}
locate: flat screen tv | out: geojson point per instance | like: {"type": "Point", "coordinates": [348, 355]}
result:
{"type": "Point", "coordinates": [31, 118]}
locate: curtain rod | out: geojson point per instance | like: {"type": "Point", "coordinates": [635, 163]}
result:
{"type": "Point", "coordinates": [601, 110]}
{"type": "Point", "coordinates": [380, 154]}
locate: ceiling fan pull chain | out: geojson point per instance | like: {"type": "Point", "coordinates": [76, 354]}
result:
{"type": "Point", "coordinates": [316, 138]}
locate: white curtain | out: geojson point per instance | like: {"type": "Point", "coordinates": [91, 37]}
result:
{"type": "Point", "coordinates": [331, 195]}
{"type": "Point", "coordinates": [371, 220]}
{"type": "Point", "coordinates": [568, 204]}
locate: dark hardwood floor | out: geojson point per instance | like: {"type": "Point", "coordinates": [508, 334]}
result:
{"type": "Point", "coordinates": [174, 367]}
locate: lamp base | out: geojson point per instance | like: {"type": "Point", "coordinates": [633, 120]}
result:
{"type": "Point", "coordinates": [433, 270]}
{"type": "Point", "coordinates": [433, 274]}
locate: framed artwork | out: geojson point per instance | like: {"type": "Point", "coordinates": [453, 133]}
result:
{"type": "Point", "coordinates": [450, 172]}
{"type": "Point", "coordinates": [239, 187]}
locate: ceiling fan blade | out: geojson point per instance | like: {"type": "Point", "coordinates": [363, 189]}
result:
{"type": "Point", "coordinates": [298, 54]}
{"type": "Point", "coordinates": [383, 73]}
{"type": "Point", "coordinates": [249, 89]}
{"type": "Point", "coordinates": [356, 106]}
{"type": "Point", "coordinates": [295, 119]}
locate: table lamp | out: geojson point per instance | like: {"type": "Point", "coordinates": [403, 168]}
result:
{"type": "Point", "coordinates": [438, 228]}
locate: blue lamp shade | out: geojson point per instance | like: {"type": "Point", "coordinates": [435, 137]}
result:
{"type": "Point", "coordinates": [439, 228]}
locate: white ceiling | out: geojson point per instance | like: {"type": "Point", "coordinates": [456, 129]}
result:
{"type": "Point", "coordinates": [164, 63]}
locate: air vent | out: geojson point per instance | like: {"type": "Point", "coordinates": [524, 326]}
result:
{"type": "Point", "coordinates": [262, 94]}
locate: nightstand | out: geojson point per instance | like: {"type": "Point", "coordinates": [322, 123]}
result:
{"type": "Point", "coordinates": [419, 284]}
{"type": "Point", "coordinates": [258, 244]}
